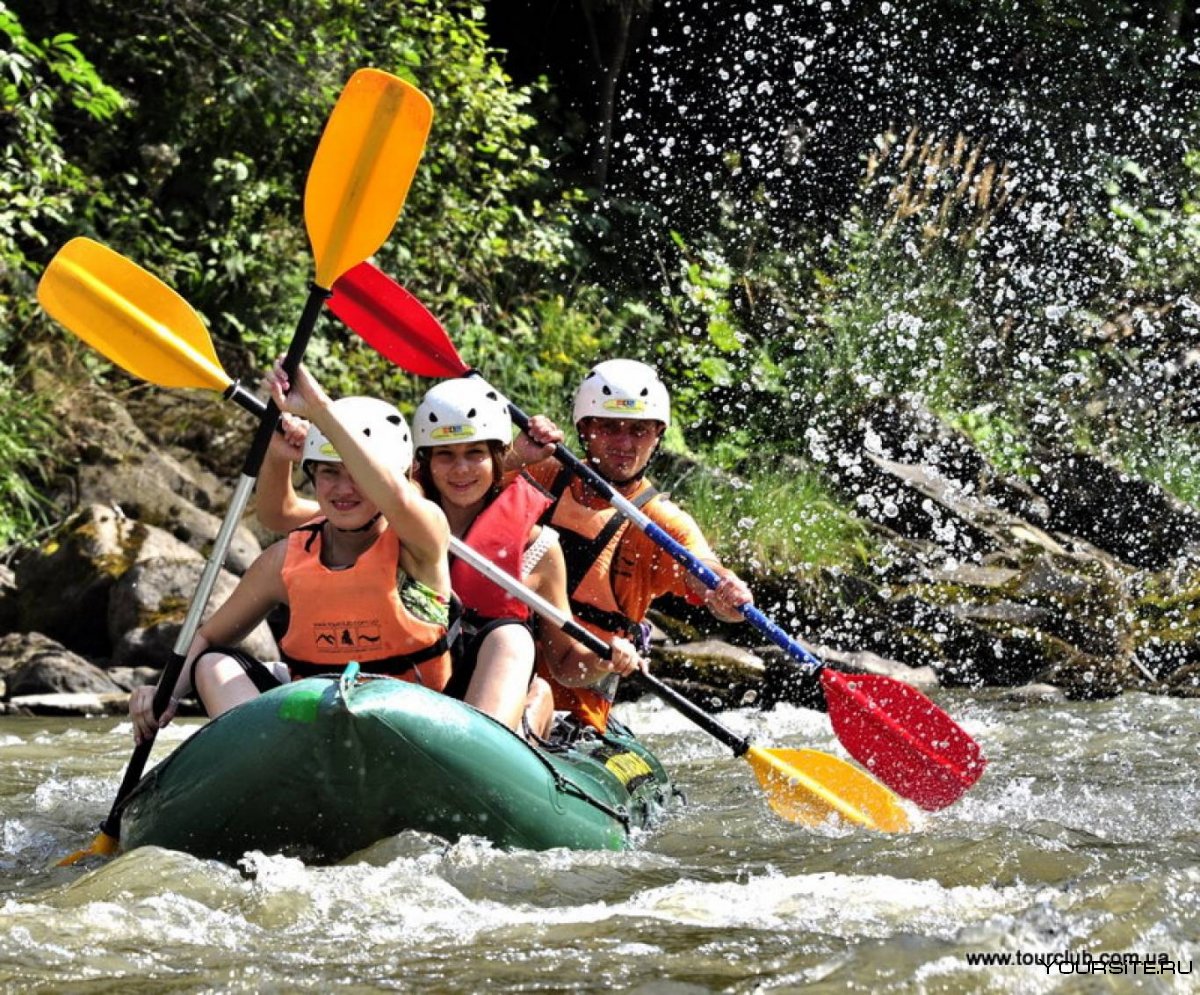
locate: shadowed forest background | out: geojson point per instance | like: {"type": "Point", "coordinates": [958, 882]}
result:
{"type": "Point", "coordinates": [797, 210]}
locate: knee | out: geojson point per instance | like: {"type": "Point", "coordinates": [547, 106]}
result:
{"type": "Point", "coordinates": [539, 708]}
{"type": "Point", "coordinates": [509, 642]}
{"type": "Point", "coordinates": [209, 670]}
{"type": "Point", "coordinates": [539, 692]}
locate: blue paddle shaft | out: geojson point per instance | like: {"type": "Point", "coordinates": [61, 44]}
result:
{"type": "Point", "coordinates": [698, 569]}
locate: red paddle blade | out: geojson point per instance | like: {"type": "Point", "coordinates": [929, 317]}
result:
{"type": "Point", "coordinates": [394, 323]}
{"type": "Point", "coordinates": [902, 737]}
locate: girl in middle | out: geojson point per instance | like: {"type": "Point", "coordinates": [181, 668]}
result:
{"type": "Point", "coordinates": [463, 433]}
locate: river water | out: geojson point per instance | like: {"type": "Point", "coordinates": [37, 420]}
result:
{"type": "Point", "coordinates": [1081, 839]}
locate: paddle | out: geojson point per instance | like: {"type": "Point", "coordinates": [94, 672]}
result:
{"type": "Point", "coordinates": [801, 785]}
{"type": "Point", "coordinates": [897, 733]}
{"type": "Point", "coordinates": [356, 187]}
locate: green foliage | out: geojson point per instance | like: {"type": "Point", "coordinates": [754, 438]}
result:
{"type": "Point", "coordinates": [25, 435]}
{"type": "Point", "coordinates": [182, 133]}
{"type": "Point", "coordinates": [1004, 443]}
{"type": "Point", "coordinates": [1162, 242]}
{"type": "Point", "coordinates": [208, 169]}
{"type": "Point", "coordinates": [773, 521]}
{"type": "Point", "coordinates": [41, 84]}
{"type": "Point", "coordinates": [47, 88]}
{"type": "Point", "coordinates": [483, 220]}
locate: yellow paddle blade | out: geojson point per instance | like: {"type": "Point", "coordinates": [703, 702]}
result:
{"type": "Point", "coordinates": [807, 786]}
{"type": "Point", "coordinates": [130, 316]}
{"type": "Point", "coordinates": [102, 846]}
{"type": "Point", "coordinates": [362, 170]}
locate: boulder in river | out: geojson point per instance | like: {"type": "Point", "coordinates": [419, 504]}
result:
{"type": "Point", "coordinates": [35, 664]}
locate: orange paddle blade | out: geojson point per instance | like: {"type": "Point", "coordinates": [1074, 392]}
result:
{"type": "Point", "coordinates": [808, 786]}
{"type": "Point", "coordinates": [102, 846]}
{"type": "Point", "coordinates": [130, 316]}
{"type": "Point", "coordinates": [362, 170]}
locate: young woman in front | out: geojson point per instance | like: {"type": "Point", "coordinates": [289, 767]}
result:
{"type": "Point", "coordinates": [366, 579]}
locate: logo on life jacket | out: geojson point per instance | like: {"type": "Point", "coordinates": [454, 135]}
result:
{"type": "Point", "coordinates": [626, 405]}
{"type": "Point", "coordinates": [451, 432]}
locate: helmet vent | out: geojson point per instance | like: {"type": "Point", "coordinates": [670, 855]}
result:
{"type": "Point", "coordinates": [394, 419]}
{"type": "Point", "coordinates": [606, 389]}
{"type": "Point", "coordinates": [471, 413]}
{"type": "Point", "coordinates": [432, 416]}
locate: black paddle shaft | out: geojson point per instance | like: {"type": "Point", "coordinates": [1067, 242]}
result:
{"type": "Point", "coordinates": [739, 744]}
{"type": "Point", "coordinates": [254, 458]}
{"type": "Point", "coordinates": [317, 296]}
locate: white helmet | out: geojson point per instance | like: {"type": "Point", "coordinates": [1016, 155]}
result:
{"type": "Point", "coordinates": [622, 388]}
{"type": "Point", "coordinates": [383, 427]}
{"type": "Point", "coordinates": [465, 410]}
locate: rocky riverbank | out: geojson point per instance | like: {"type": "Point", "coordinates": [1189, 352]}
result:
{"type": "Point", "coordinates": [1082, 583]}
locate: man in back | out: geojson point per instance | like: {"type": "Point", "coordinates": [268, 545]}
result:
{"type": "Point", "coordinates": [614, 571]}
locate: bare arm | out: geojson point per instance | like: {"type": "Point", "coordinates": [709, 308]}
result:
{"type": "Point", "coordinates": [259, 590]}
{"type": "Point", "coordinates": [277, 504]}
{"type": "Point", "coordinates": [569, 661]}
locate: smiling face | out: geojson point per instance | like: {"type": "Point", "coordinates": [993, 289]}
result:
{"type": "Point", "coordinates": [339, 497]}
{"type": "Point", "coordinates": [619, 448]}
{"type": "Point", "coordinates": [463, 474]}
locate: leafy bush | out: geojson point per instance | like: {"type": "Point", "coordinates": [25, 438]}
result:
{"type": "Point", "coordinates": [773, 521]}
{"type": "Point", "coordinates": [41, 84]}
{"type": "Point", "coordinates": [25, 436]}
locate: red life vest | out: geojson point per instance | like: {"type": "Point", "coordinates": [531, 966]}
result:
{"type": "Point", "coordinates": [500, 533]}
{"type": "Point", "coordinates": [589, 538]}
{"type": "Point", "coordinates": [337, 616]}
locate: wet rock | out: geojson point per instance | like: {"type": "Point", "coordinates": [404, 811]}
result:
{"type": "Point", "coordinates": [152, 491]}
{"type": "Point", "coordinates": [702, 658]}
{"type": "Point", "coordinates": [1185, 682]}
{"type": "Point", "coordinates": [904, 469]}
{"type": "Point", "coordinates": [63, 586]}
{"type": "Point", "coordinates": [118, 463]}
{"type": "Point", "coordinates": [148, 605]}
{"type": "Point", "coordinates": [206, 436]}
{"type": "Point", "coordinates": [712, 672]}
{"type": "Point", "coordinates": [1085, 678]}
{"type": "Point", "coordinates": [70, 704]}
{"type": "Point", "coordinates": [789, 682]}
{"type": "Point", "coordinates": [1133, 519]}
{"type": "Point", "coordinates": [1036, 693]}
{"type": "Point", "coordinates": [128, 678]}
{"type": "Point", "coordinates": [34, 664]}
{"type": "Point", "coordinates": [8, 598]}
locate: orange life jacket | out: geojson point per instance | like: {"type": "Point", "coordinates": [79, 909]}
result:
{"type": "Point", "coordinates": [589, 539]}
{"type": "Point", "coordinates": [337, 616]}
{"type": "Point", "coordinates": [501, 533]}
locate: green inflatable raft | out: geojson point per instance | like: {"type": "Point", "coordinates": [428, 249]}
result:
{"type": "Point", "coordinates": [321, 768]}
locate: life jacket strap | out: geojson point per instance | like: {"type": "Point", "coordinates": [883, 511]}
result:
{"type": "Point", "coordinates": [393, 666]}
